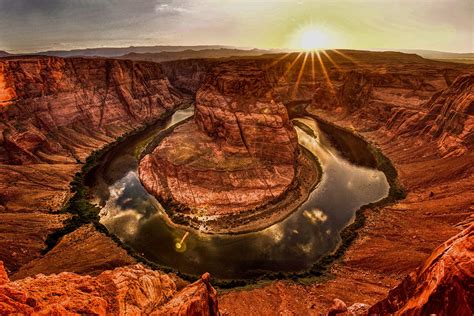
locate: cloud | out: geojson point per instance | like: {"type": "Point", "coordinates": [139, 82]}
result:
{"type": "Point", "coordinates": [29, 25]}
{"type": "Point", "coordinates": [169, 7]}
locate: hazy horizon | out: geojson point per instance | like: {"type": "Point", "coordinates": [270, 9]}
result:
{"type": "Point", "coordinates": [30, 26]}
{"type": "Point", "coordinates": [217, 46]}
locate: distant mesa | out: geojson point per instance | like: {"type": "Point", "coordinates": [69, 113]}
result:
{"type": "Point", "coordinates": [195, 53]}
{"type": "Point", "coordinates": [120, 51]}
{"type": "Point", "coordinates": [4, 53]}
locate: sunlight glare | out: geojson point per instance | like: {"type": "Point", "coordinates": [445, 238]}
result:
{"type": "Point", "coordinates": [312, 39]}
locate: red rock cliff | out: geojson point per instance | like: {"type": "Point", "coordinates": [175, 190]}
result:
{"type": "Point", "coordinates": [237, 104]}
{"type": "Point", "coordinates": [450, 117]}
{"type": "Point", "coordinates": [55, 110]}
{"type": "Point", "coordinates": [53, 113]}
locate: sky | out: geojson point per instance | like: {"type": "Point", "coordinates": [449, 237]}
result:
{"type": "Point", "coordinates": [37, 25]}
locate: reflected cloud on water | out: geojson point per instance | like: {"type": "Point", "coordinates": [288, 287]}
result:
{"type": "Point", "coordinates": [315, 216]}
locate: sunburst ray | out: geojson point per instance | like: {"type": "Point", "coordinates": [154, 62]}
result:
{"type": "Point", "coordinates": [275, 62]}
{"type": "Point", "coordinates": [325, 73]}
{"type": "Point", "coordinates": [331, 60]}
{"type": "Point", "coordinates": [292, 64]}
{"type": "Point", "coordinates": [346, 56]}
{"type": "Point", "coordinates": [313, 70]}
{"type": "Point", "coordinates": [300, 75]}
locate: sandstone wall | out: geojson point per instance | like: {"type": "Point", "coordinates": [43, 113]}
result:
{"type": "Point", "coordinates": [53, 113]}
{"type": "Point", "coordinates": [58, 110]}
{"type": "Point", "coordinates": [441, 286]}
{"type": "Point", "coordinates": [237, 104]}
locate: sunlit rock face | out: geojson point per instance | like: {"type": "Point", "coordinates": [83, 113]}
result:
{"type": "Point", "coordinates": [238, 154]}
{"type": "Point", "coordinates": [59, 110]}
{"type": "Point", "coordinates": [236, 105]}
{"type": "Point", "coordinates": [441, 286]}
{"type": "Point", "coordinates": [450, 118]}
{"type": "Point", "coordinates": [131, 290]}
{"type": "Point", "coordinates": [54, 112]}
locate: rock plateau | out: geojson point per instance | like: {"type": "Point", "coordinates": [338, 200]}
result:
{"type": "Point", "coordinates": [54, 113]}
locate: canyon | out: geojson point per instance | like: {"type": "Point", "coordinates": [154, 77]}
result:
{"type": "Point", "coordinates": [56, 112]}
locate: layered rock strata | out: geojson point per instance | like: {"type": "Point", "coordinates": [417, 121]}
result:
{"type": "Point", "coordinates": [238, 154]}
{"type": "Point", "coordinates": [55, 112]}
{"type": "Point", "coordinates": [130, 290]}
{"type": "Point", "coordinates": [450, 118]}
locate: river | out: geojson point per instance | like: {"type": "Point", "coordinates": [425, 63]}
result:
{"type": "Point", "coordinates": [291, 245]}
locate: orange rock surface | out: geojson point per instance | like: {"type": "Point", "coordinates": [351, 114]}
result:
{"type": "Point", "coordinates": [442, 285]}
{"type": "Point", "coordinates": [130, 290]}
{"type": "Point", "coordinates": [54, 113]}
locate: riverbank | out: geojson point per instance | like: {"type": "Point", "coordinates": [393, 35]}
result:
{"type": "Point", "coordinates": [78, 206]}
{"type": "Point", "coordinates": [317, 270]}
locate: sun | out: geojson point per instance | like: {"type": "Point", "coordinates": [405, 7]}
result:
{"type": "Point", "coordinates": [313, 38]}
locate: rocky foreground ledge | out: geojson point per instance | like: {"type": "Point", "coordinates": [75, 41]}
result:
{"type": "Point", "coordinates": [238, 155]}
{"type": "Point", "coordinates": [441, 285]}
{"type": "Point", "coordinates": [131, 290]}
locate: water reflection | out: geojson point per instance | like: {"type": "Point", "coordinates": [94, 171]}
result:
{"type": "Point", "coordinates": [291, 245]}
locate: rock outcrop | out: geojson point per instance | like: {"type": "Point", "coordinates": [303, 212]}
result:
{"type": "Point", "coordinates": [238, 154]}
{"type": "Point", "coordinates": [441, 286]}
{"type": "Point", "coordinates": [54, 113]}
{"type": "Point", "coordinates": [237, 106]}
{"type": "Point", "coordinates": [130, 290]}
{"type": "Point", "coordinates": [98, 253]}
{"type": "Point", "coordinates": [450, 117]}
{"type": "Point", "coordinates": [57, 110]}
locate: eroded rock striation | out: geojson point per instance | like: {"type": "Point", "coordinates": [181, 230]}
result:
{"type": "Point", "coordinates": [130, 290]}
{"type": "Point", "coordinates": [54, 110]}
{"type": "Point", "coordinates": [238, 154]}
{"type": "Point", "coordinates": [450, 117]}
